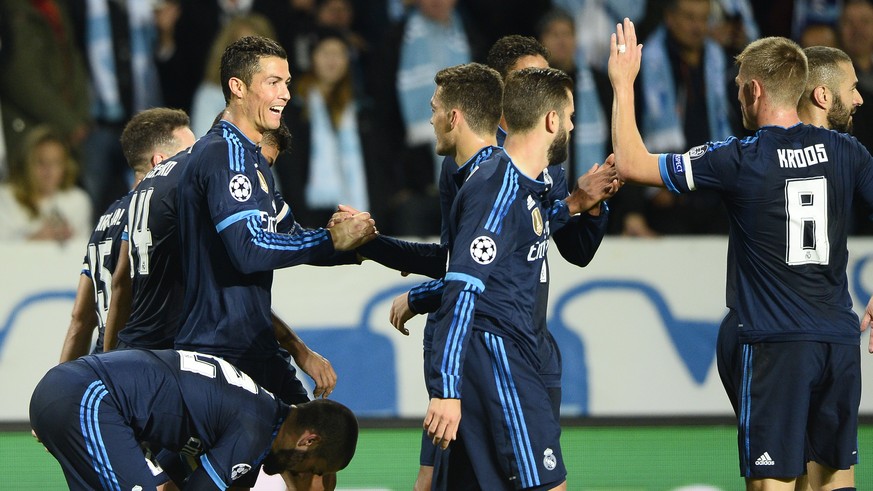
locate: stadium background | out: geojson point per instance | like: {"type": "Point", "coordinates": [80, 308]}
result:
{"type": "Point", "coordinates": [644, 407]}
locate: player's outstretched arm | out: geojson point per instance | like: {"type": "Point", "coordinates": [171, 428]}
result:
{"type": "Point", "coordinates": [866, 324]}
{"type": "Point", "coordinates": [313, 364]}
{"type": "Point", "coordinates": [121, 301]}
{"type": "Point", "coordinates": [82, 322]}
{"type": "Point", "coordinates": [632, 159]}
{"type": "Point", "coordinates": [426, 259]}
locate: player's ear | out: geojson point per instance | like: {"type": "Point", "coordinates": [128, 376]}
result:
{"type": "Point", "coordinates": [308, 440]}
{"type": "Point", "coordinates": [237, 87]}
{"type": "Point", "coordinates": [821, 97]}
{"type": "Point", "coordinates": [553, 121]}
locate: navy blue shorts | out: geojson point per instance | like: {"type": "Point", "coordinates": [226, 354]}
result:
{"type": "Point", "coordinates": [509, 437]}
{"type": "Point", "coordinates": [77, 420]}
{"type": "Point", "coordinates": [795, 402]}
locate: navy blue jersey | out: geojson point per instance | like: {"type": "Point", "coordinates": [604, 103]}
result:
{"type": "Point", "coordinates": [187, 402]}
{"type": "Point", "coordinates": [102, 258]}
{"type": "Point", "coordinates": [228, 222]}
{"type": "Point", "coordinates": [498, 231]}
{"type": "Point", "coordinates": [788, 193]}
{"type": "Point", "coordinates": [157, 291]}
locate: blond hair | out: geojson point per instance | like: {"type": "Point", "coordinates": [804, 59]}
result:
{"type": "Point", "coordinates": [779, 64]}
{"type": "Point", "coordinates": [21, 179]}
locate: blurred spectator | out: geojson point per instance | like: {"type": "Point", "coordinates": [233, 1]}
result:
{"type": "Point", "coordinates": [856, 36]}
{"type": "Point", "coordinates": [733, 25]}
{"type": "Point", "coordinates": [338, 15]}
{"type": "Point", "coordinates": [433, 36]}
{"type": "Point", "coordinates": [334, 156]}
{"type": "Point", "coordinates": [818, 35]}
{"type": "Point", "coordinates": [590, 140]}
{"type": "Point", "coordinates": [807, 12]}
{"type": "Point", "coordinates": [43, 77]}
{"type": "Point", "coordinates": [209, 97]}
{"type": "Point", "coordinates": [118, 42]}
{"type": "Point", "coordinates": [187, 35]}
{"type": "Point", "coordinates": [595, 21]}
{"type": "Point", "coordinates": [505, 17]}
{"type": "Point", "coordinates": [41, 202]}
{"type": "Point", "coordinates": [684, 103]}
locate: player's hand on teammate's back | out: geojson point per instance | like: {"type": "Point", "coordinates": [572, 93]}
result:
{"type": "Point", "coordinates": [865, 323]}
{"type": "Point", "coordinates": [353, 232]}
{"type": "Point", "coordinates": [442, 420]}
{"type": "Point", "coordinates": [600, 183]}
{"type": "Point", "coordinates": [320, 370]}
{"type": "Point", "coordinates": [400, 313]}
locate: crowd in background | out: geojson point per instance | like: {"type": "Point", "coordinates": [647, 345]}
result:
{"type": "Point", "coordinates": [73, 72]}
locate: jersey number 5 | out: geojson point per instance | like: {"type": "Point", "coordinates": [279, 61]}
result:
{"type": "Point", "coordinates": [206, 365]}
{"type": "Point", "coordinates": [806, 207]}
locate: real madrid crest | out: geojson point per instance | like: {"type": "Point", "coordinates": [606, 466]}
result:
{"type": "Point", "coordinates": [263, 182]}
{"type": "Point", "coordinates": [537, 220]}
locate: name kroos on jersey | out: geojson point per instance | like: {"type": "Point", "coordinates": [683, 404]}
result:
{"type": "Point", "coordinates": [794, 158]}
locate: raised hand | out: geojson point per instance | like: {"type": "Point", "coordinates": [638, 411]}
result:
{"type": "Point", "coordinates": [624, 56]}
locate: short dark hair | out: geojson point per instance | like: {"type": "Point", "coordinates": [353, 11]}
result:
{"type": "Point", "coordinates": [509, 49]}
{"type": "Point", "coordinates": [279, 138]}
{"type": "Point", "coordinates": [149, 130]}
{"type": "Point", "coordinates": [530, 93]}
{"type": "Point", "coordinates": [477, 91]}
{"type": "Point", "coordinates": [242, 60]}
{"type": "Point", "coordinates": [335, 424]}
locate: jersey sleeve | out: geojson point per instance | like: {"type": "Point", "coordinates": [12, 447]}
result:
{"type": "Point", "coordinates": [426, 297]}
{"type": "Point", "coordinates": [579, 239]}
{"type": "Point", "coordinates": [710, 166]}
{"type": "Point", "coordinates": [233, 205]}
{"type": "Point", "coordinates": [411, 257]}
{"type": "Point", "coordinates": [480, 242]}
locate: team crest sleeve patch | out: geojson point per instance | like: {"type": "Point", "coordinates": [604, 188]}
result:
{"type": "Point", "coordinates": [239, 470]}
{"type": "Point", "coordinates": [483, 249]}
{"type": "Point", "coordinates": [240, 187]}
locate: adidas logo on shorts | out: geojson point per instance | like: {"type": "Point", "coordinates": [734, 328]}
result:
{"type": "Point", "coordinates": [765, 460]}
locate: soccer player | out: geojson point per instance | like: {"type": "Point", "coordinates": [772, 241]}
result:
{"type": "Point", "coordinates": [229, 225]}
{"type": "Point", "coordinates": [156, 304]}
{"type": "Point", "coordinates": [93, 413]}
{"type": "Point", "coordinates": [577, 241]}
{"type": "Point", "coordinates": [485, 346]}
{"type": "Point", "coordinates": [795, 375]}
{"type": "Point", "coordinates": [148, 138]}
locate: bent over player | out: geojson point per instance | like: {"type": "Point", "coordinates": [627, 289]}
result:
{"type": "Point", "coordinates": [93, 413]}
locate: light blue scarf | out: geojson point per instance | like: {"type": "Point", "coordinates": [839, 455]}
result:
{"type": "Point", "coordinates": [427, 48]}
{"type": "Point", "coordinates": [662, 129]}
{"type": "Point", "coordinates": [744, 9]}
{"type": "Point", "coordinates": [106, 98]}
{"type": "Point", "coordinates": [337, 172]}
{"type": "Point", "coordinates": [590, 126]}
